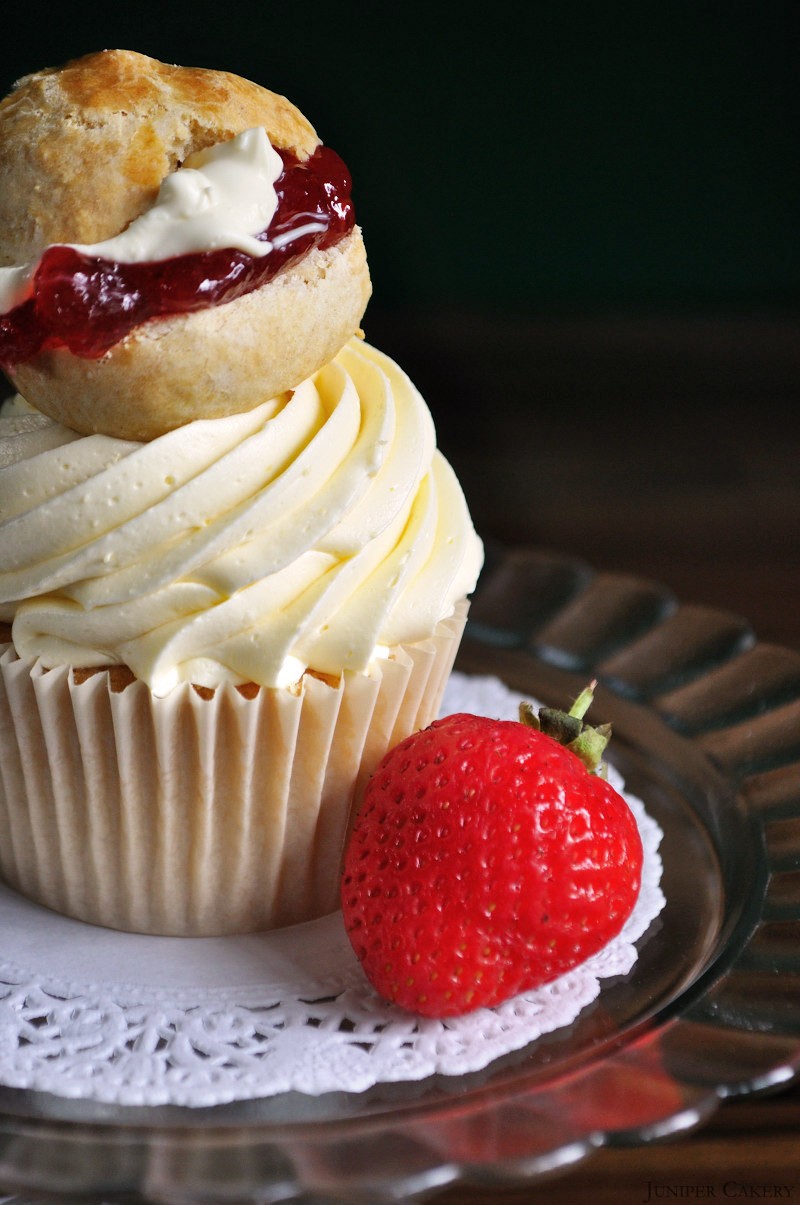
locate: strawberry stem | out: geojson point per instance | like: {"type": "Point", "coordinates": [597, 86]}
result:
{"type": "Point", "coordinates": [568, 728]}
{"type": "Point", "coordinates": [583, 701]}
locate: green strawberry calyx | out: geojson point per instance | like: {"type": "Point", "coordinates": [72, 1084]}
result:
{"type": "Point", "coordinates": [569, 729]}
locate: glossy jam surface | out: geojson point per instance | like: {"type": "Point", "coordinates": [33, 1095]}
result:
{"type": "Point", "coordinates": [87, 304]}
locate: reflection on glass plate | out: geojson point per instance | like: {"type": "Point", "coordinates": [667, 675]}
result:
{"type": "Point", "coordinates": [707, 732]}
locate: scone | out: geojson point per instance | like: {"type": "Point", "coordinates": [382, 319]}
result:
{"type": "Point", "coordinates": [134, 336]}
{"type": "Point", "coordinates": [218, 622]}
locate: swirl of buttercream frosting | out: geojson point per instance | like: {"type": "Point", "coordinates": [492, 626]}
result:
{"type": "Point", "coordinates": [318, 530]}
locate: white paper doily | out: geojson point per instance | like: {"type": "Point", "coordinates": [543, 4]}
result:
{"type": "Point", "coordinates": [131, 1020]}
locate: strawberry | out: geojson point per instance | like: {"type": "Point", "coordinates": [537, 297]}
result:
{"type": "Point", "coordinates": [489, 858]}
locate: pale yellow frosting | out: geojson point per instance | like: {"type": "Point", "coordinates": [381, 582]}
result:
{"type": "Point", "coordinates": [318, 530]}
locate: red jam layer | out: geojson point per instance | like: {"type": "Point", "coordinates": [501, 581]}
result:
{"type": "Point", "coordinates": [88, 304]}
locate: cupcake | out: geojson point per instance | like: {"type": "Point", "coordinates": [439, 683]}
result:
{"type": "Point", "coordinates": [233, 565]}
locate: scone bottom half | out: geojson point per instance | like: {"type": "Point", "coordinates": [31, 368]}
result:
{"type": "Point", "coordinates": [89, 151]}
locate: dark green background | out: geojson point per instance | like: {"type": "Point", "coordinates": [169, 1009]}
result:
{"type": "Point", "coordinates": [541, 158]}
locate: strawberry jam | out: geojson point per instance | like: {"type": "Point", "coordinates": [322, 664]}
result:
{"type": "Point", "coordinates": [87, 304]}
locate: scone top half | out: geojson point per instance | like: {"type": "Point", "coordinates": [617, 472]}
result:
{"type": "Point", "coordinates": [84, 150]}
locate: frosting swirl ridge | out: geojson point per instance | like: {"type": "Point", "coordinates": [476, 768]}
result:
{"type": "Point", "coordinates": [313, 531]}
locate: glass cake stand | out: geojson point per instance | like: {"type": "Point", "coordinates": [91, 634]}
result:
{"type": "Point", "coordinates": [707, 732]}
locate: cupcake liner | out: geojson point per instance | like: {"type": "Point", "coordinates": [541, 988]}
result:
{"type": "Point", "coordinates": [197, 816]}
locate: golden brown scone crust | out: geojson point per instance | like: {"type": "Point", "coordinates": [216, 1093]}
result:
{"type": "Point", "coordinates": [211, 363]}
{"type": "Point", "coordinates": [83, 151]}
{"type": "Point", "coordinates": [84, 147]}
